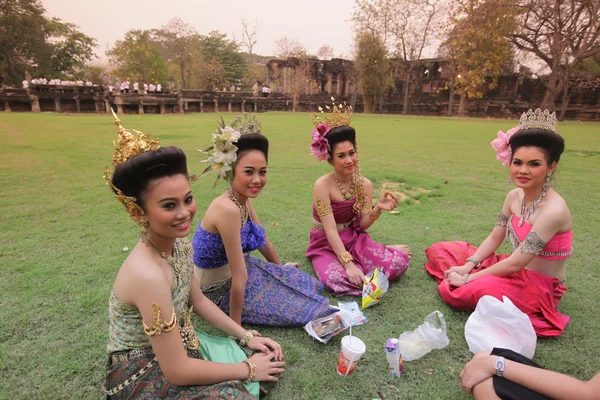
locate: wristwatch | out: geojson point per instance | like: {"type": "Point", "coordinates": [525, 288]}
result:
{"type": "Point", "coordinates": [500, 366]}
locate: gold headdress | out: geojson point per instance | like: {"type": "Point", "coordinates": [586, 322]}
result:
{"type": "Point", "coordinates": [340, 115]}
{"type": "Point", "coordinates": [223, 152]}
{"type": "Point", "coordinates": [130, 143]}
{"type": "Point", "coordinates": [538, 119]}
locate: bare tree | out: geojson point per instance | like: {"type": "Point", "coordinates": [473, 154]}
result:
{"type": "Point", "coordinates": [286, 47]}
{"type": "Point", "coordinates": [249, 32]}
{"type": "Point", "coordinates": [325, 52]}
{"type": "Point", "coordinates": [560, 33]}
{"type": "Point", "coordinates": [405, 26]}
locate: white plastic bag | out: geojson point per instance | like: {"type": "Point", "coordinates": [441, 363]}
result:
{"type": "Point", "coordinates": [428, 336]}
{"type": "Point", "coordinates": [500, 324]}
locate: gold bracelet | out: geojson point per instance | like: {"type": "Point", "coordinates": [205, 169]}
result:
{"type": "Point", "coordinates": [252, 374]}
{"type": "Point", "coordinates": [374, 215]}
{"type": "Point", "coordinates": [345, 258]}
{"type": "Point", "coordinates": [248, 337]}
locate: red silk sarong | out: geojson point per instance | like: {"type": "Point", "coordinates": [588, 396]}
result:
{"type": "Point", "coordinates": [535, 294]}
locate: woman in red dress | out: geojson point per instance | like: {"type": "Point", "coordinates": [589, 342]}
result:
{"type": "Point", "coordinates": [535, 219]}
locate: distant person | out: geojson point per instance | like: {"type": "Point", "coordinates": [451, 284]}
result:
{"type": "Point", "coordinates": [506, 375]}
{"type": "Point", "coordinates": [534, 219]}
{"type": "Point", "coordinates": [25, 84]}
{"type": "Point", "coordinates": [159, 88]}
{"type": "Point", "coordinates": [136, 87]}
{"type": "Point", "coordinates": [152, 88]}
{"type": "Point", "coordinates": [145, 88]}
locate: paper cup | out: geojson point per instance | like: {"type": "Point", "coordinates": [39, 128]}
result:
{"type": "Point", "coordinates": [352, 350]}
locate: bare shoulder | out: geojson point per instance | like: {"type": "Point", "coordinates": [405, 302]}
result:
{"type": "Point", "coordinates": [514, 195]}
{"type": "Point", "coordinates": [139, 273]}
{"type": "Point", "coordinates": [323, 182]}
{"type": "Point", "coordinates": [368, 184]}
{"type": "Point", "coordinates": [222, 207]}
{"type": "Point", "coordinates": [557, 207]}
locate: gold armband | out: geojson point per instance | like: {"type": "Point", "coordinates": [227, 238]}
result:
{"type": "Point", "coordinates": [345, 258]}
{"type": "Point", "coordinates": [374, 215]}
{"type": "Point", "coordinates": [323, 208]}
{"type": "Point", "coordinates": [159, 327]}
{"type": "Point", "coordinates": [502, 220]}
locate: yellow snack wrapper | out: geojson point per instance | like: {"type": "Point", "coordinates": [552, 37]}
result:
{"type": "Point", "coordinates": [374, 288]}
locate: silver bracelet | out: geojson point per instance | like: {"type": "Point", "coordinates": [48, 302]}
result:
{"type": "Point", "coordinates": [474, 261]}
{"type": "Point", "coordinates": [465, 278]}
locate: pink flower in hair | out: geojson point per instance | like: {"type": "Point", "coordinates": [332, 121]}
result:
{"type": "Point", "coordinates": [501, 147]}
{"type": "Point", "coordinates": [320, 146]}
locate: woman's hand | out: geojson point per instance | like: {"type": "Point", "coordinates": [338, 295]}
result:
{"type": "Point", "coordinates": [292, 264]}
{"type": "Point", "coordinates": [267, 346]}
{"type": "Point", "coordinates": [480, 368]}
{"type": "Point", "coordinates": [388, 201]}
{"type": "Point", "coordinates": [461, 270]}
{"type": "Point", "coordinates": [355, 275]}
{"type": "Point", "coordinates": [266, 368]}
{"type": "Point", "coordinates": [454, 279]}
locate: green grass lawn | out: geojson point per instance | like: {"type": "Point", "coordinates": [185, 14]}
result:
{"type": "Point", "coordinates": [62, 235]}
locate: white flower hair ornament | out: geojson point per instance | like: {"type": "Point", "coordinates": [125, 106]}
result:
{"type": "Point", "coordinates": [223, 152]}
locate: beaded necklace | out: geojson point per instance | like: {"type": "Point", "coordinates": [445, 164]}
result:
{"type": "Point", "coordinates": [243, 210]}
{"type": "Point", "coordinates": [348, 194]}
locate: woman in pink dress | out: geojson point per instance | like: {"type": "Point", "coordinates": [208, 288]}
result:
{"type": "Point", "coordinates": [340, 249]}
{"type": "Point", "coordinates": [534, 219]}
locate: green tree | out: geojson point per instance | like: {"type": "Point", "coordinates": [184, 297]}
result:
{"type": "Point", "coordinates": [31, 41]}
{"type": "Point", "coordinates": [137, 57]}
{"type": "Point", "coordinates": [216, 47]}
{"type": "Point", "coordinates": [478, 46]}
{"type": "Point", "coordinates": [373, 68]}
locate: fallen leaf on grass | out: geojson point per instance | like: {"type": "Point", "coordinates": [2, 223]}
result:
{"type": "Point", "coordinates": [428, 371]}
{"type": "Point", "coordinates": [125, 248]}
{"type": "Point", "coordinates": [395, 212]}
{"type": "Point", "coordinates": [275, 223]}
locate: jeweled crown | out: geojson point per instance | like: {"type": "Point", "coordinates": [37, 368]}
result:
{"type": "Point", "coordinates": [340, 115]}
{"type": "Point", "coordinates": [538, 119]}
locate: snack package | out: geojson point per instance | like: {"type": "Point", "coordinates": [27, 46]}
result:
{"type": "Point", "coordinates": [374, 288]}
{"type": "Point", "coordinates": [358, 318]}
{"type": "Point", "coordinates": [325, 328]}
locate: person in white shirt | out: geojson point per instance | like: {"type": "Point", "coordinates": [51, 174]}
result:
{"type": "Point", "coordinates": [136, 87]}
{"type": "Point", "coordinates": [145, 88]}
{"type": "Point", "coordinates": [25, 84]}
{"type": "Point", "coordinates": [158, 88]}
{"type": "Point", "coordinates": [152, 87]}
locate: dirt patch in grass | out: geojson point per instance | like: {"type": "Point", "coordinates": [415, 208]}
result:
{"type": "Point", "coordinates": [403, 192]}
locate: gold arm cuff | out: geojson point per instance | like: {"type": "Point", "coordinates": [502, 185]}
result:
{"type": "Point", "coordinates": [374, 215]}
{"type": "Point", "coordinates": [323, 208]}
{"type": "Point", "coordinates": [159, 326]}
{"type": "Point", "coordinates": [345, 258]}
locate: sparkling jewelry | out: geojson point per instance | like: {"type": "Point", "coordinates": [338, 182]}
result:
{"type": "Point", "coordinates": [159, 326]}
{"type": "Point", "coordinates": [348, 194]}
{"type": "Point", "coordinates": [500, 366]}
{"type": "Point", "coordinates": [345, 258]}
{"type": "Point", "coordinates": [527, 211]}
{"type": "Point", "coordinates": [538, 119]}
{"type": "Point", "coordinates": [170, 260]}
{"type": "Point", "coordinates": [252, 373]}
{"type": "Point", "coordinates": [474, 261]}
{"type": "Point", "coordinates": [243, 210]}
{"type": "Point", "coordinates": [502, 220]}
{"type": "Point", "coordinates": [374, 215]}
{"type": "Point", "coordinates": [323, 208]}
{"type": "Point", "coordinates": [465, 278]}
{"type": "Point", "coordinates": [248, 337]}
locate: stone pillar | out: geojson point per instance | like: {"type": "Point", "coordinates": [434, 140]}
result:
{"type": "Point", "coordinates": [186, 106]}
{"type": "Point", "coordinates": [255, 105]}
{"type": "Point", "coordinates": [77, 105]}
{"type": "Point", "coordinates": [243, 106]}
{"type": "Point", "coordinates": [162, 108]}
{"type": "Point", "coordinates": [141, 108]}
{"type": "Point", "coordinates": [119, 109]}
{"type": "Point", "coordinates": [35, 103]}
{"type": "Point", "coordinates": [229, 106]}
{"type": "Point", "coordinates": [216, 104]}
{"type": "Point", "coordinates": [57, 105]}
{"type": "Point", "coordinates": [201, 105]}
{"type": "Point", "coordinates": [106, 106]}
{"type": "Point", "coordinates": [97, 105]}
{"type": "Point", "coordinates": [180, 102]}
{"type": "Point", "coordinates": [7, 106]}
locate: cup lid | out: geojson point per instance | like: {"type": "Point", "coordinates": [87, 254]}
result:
{"type": "Point", "coordinates": [354, 344]}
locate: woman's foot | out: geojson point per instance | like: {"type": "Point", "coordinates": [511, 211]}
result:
{"type": "Point", "coordinates": [403, 248]}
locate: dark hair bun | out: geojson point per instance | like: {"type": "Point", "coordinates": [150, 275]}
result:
{"type": "Point", "coordinates": [340, 134]}
{"type": "Point", "coordinates": [133, 176]}
{"type": "Point", "coordinates": [551, 143]}
{"type": "Point", "coordinates": [253, 141]}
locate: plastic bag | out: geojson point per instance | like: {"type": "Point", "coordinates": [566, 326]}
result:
{"type": "Point", "coordinates": [374, 288]}
{"type": "Point", "coordinates": [358, 318]}
{"type": "Point", "coordinates": [428, 336]}
{"type": "Point", "coordinates": [327, 327]}
{"type": "Point", "coordinates": [500, 324]}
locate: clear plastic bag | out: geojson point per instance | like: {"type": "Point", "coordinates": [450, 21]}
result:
{"type": "Point", "coordinates": [500, 324]}
{"type": "Point", "coordinates": [428, 336]}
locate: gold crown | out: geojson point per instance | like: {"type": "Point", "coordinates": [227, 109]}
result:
{"type": "Point", "coordinates": [340, 115]}
{"type": "Point", "coordinates": [538, 119]}
{"type": "Point", "coordinates": [130, 143]}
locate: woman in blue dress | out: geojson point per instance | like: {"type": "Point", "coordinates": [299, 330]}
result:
{"type": "Point", "coordinates": [249, 289]}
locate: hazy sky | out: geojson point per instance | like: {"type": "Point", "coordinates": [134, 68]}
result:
{"type": "Point", "coordinates": [312, 22]}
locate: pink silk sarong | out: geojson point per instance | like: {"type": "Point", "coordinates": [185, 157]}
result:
{"type": "Point", "coordinates": [367, 254]}
{"type": "Point", "coordinates": [537, 295]}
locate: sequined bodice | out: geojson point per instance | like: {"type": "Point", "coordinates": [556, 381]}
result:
{"type": "Point", "coordinates": [126, 330]}
{"type": "Point", "coordinates": [560, 247]}
{"type": "Point", "coordinates": [209, 250]}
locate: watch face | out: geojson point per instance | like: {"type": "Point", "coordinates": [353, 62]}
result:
{"type": "Point", "coordinates": [499, 366]}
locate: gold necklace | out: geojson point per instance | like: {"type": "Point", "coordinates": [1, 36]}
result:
{"type": "Point", "coordinates": [349, 194]}
{"type": "Point", "coordinates": [243, 210]}
{"type": "Point", "coordinates": [170, 259]}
